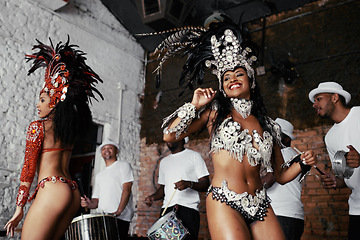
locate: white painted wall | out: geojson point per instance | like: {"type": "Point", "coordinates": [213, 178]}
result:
{"type": "Point", "coordinates": [112, 53]}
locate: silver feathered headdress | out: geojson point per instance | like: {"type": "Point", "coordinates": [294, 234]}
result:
{"type": "Point", "coordinates": [222, 46]}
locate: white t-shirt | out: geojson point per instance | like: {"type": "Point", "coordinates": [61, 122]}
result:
{"type": "Point", "coordinates": [286, 199]}
{"type": "Point", "coordinates": [109, 186]}
{"type": "Point", "coordinates": [338, 137]}
{"type": "Point", "coordinates": [186, 165]}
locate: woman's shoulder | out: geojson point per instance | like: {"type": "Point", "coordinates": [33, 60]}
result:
{"type": "Point", "coordinates": [37, 123]}
{"type": "Point", "coordinates": [35, 130]}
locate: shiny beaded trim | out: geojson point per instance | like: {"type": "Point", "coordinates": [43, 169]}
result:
{"type": "Point", "coordinates": [186, 113]}
{"type": "Point", "coordinates": [237, 142]}
{"type": "Point", "coordinates": [251, 207]}
{"type": "Point", "coordinates": [242, 106]}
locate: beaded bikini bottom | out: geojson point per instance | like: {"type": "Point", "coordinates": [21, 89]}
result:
{"type": "Point", "coordinates": [251, 207]}
{"type": "Point", "coordinates": [53, 179]}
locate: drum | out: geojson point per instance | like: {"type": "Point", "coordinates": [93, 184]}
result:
{"type": "Point", "coordinates": [96, 226]}
{"type": "Point", "coordinates": [167, 227]}
{"type": "Point", "coordinates": [341, 169]}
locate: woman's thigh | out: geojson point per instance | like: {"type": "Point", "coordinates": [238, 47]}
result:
{"type": "Point", "coordinates": [225, 222]}
{"type": "Point", "coordinates": [269, 228]}
{"type": "Point", "coordinates": [49, 211]}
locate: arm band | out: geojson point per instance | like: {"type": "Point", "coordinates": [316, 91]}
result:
{"type": "Point", "coordinates": [186, 113]}
{"type": "Point", "coordinates": [22, 196]}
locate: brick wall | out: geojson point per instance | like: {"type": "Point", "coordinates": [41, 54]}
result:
{"type": "Point", "coordinates": [326, 211]}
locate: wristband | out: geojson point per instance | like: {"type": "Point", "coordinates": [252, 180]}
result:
{"type": "Point", "coordinates": [186, 113]}
{"type": "Point", "coordinates": [22, 196]}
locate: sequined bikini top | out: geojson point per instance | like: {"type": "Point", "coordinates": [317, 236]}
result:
{"type": "Point", "coordinates": [237, 142]}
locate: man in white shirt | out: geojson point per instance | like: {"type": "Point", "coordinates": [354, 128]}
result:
{"type": "Point", "coordinates": [286, 199]}
{"type": "Point", "coordinates": [112, 190]}
{"type": "Point", "coordinates": [183, 172]}
{"type": "Point", "coordinates": [330, 101]}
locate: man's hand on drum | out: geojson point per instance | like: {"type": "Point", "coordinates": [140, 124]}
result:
{"type": "Point", "coordinates": [181, 185]}
{"type": "Point", "coordinates": [149, 200]}
{"type": "Point", "coordinates": [85, 201]}
{"type": "Point", "coordinates": [202, 96]}
{"type": "Point", "coordinates": [328, 180]}
{"type": "Point", "coordinates": [117, 213]}
{"type": "Point", "coordinates": [352, 157]}
{"type": "Point", "coordinates": [308, 158]}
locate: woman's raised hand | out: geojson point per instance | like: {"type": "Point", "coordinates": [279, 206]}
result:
{"type": "Point", "coordinates": [202, 96]}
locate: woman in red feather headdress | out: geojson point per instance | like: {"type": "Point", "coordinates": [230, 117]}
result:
{"type": "Point", "coordinates": [65, 114]}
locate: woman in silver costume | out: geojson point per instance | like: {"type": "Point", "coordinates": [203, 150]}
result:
{"type": "Point", "coordinates": [244, 139]}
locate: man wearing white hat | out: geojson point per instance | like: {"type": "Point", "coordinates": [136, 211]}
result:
{"type": "Point", "coordinates": [112, 190]}
{"type": "Point", "coordinates": [286, 199]}
{"type": "Point", "coordinates": [182, 175]}
{"type": "Point", "coordinates": [330, 101]}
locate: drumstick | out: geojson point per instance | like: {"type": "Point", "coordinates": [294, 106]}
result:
{"type": "Point", "coordinates": [168, 202]}
{"type": "Point", "coordinates": [321, 172]}
{"type": "Point", "coordinates": [81, 189]}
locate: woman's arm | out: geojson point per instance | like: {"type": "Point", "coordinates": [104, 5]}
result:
{"type": "Point", "coordinates": [186, 121]}
{"type": "Point", "coordinates": [34, 139]}
{"type": "Point", "coordinates": [286, 174]}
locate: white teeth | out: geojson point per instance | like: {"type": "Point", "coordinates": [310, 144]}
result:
{"type": "Point", "coordinates": [235, 85]}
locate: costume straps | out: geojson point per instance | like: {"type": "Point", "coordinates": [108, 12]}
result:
{"type": "Point", "coordinates": [72, 184]}
{"type": "Point", "coordinates": [44, 150]}
{"type": "Point", "coordinates": [34, 139]}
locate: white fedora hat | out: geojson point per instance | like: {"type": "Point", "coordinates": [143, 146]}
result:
{"type": "Point", "coordinates": [286, 127]}
{"type": "Point", "coordinates": [108, 142]}
{"type": "Point", "coordinates": [330, 87]}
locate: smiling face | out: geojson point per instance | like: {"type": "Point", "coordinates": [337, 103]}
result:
{"type": "Point", "coordinates": [43, 105]}
{"type": "Point", "coordinates": [323, 105]}
{"type": "Point", "coordinates": [109, 152]}
{"type": "Point", "coordinates": [236, 84]}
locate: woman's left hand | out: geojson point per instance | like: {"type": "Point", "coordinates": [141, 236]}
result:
{"type": "Point", "coordinates": [308, 158]}
{"type": "Point", "coordinates": [14, 221]}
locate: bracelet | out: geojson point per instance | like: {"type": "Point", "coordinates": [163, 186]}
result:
{"type": "Point", "coordinates": [304, 168]}
{"type": "Point", "coordinates": [22, 196]}
{"type": "Point", "coordinates": [186, 113]}
{"type": "Point", "coordinates": [191, 184]}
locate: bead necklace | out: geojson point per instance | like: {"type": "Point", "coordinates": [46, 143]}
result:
{"type": "Point", "coordinates": [242, 106]}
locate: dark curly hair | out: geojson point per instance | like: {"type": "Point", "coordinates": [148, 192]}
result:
{"type": "Point", "coordinates": [72, 116]}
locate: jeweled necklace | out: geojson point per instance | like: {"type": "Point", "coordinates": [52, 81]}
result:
{"type": "Point", "coordinates": [242, 106]}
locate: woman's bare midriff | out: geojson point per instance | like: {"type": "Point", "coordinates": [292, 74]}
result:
{"type": "Point", "coordinates": [240, 176]}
